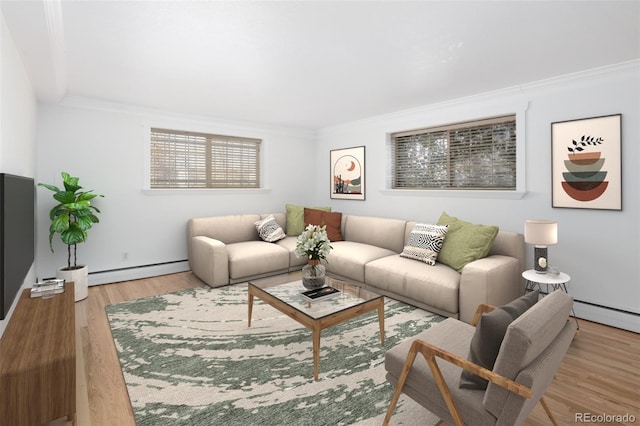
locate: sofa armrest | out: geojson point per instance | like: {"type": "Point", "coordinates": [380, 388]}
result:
{"type": "Point", "coordinates": [210, 261]}
{"type": "Point", "coordinates": [493, 280]}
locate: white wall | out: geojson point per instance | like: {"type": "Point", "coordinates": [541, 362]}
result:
{"type": "Point", "coordinates": [599, 249]}
{"type": "Point", "coordinates": [104, 145]}
{"type": "Point", "coordinates": [18, 116]}
{"type": "Point", "coordinates": [17, 121]}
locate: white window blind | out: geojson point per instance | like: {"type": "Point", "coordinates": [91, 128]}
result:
{"type": "Point", "coordinates": [472, 155]}
{"type": "Point", "coordinates": [198, 160]}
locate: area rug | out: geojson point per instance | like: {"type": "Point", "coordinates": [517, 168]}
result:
{"type": "Point", "coordinates": [189, 358]}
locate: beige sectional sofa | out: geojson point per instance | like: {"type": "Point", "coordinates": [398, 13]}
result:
{"type": "Point", "coordinates": [227, 249]}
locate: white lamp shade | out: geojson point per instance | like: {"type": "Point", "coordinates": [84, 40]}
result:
{"type": "Point", "coordinates": [541, 232]}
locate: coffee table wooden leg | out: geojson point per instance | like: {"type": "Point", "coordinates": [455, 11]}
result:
{"type": "Point", "coordinates": [381, 320]}
{"type": "Point", "coordinates": [250, 308]}
{"type": "Point", "coordinates": [316, 352]}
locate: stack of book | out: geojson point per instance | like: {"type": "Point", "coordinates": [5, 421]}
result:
{"type": "Point", "coordinates": [320, 294]}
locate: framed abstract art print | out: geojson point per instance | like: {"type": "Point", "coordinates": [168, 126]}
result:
{"type": "Point", "coordinates": [586, 163]}
{"type": "Point", "coordinates": [347, 173]}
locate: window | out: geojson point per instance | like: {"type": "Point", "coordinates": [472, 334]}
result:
{"type": "Point", "coordinates": [472, 155]}
{"type": "Point", "coordinates": [199, 160]}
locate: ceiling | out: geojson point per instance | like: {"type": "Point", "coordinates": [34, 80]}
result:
{"type": "Point", "coordinates": [309, 64]}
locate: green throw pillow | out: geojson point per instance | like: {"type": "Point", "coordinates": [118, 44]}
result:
{"type": "Point", "coordinates": [465, 242]}
{"type": "Point", "coordinates": [295, 218]}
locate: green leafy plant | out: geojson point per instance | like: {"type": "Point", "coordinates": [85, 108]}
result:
{"type": "Point", "coordinates": [73, 216]}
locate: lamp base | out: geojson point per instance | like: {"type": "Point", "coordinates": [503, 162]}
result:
{"type": "Point", "coordinates": [540, 261]}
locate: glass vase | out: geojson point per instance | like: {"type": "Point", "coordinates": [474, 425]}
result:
{"type": "Point", "coordinates": [313, 274]}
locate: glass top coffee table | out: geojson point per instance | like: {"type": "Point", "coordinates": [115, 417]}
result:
{"type": "Point", "coordinates": [283, 292]}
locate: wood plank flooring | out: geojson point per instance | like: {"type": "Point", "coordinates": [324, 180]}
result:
{"type": "Point", "coordinates": [599, 375]}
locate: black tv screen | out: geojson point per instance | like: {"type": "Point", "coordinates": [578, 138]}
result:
{"type": "Point", "coordinates": [17, 235]}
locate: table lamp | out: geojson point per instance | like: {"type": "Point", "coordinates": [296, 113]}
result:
{"type": "Point", "coordinates": [540, 233]}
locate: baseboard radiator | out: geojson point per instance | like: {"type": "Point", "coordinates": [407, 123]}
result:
{"type": "Point", "coordinates": [618, 318]}
{"type": "Point", "coordinates": [137, 272]}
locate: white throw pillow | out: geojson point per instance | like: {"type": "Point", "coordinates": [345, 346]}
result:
{"type": "Point", "coordinates": [424, 242]}
{"type": "Point", "coordinates": [269, 230]}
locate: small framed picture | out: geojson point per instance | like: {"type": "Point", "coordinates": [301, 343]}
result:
{"type": "Point", "coordinates": [347, 173]}
{"type": "Point", "coordinates": [586, 163]}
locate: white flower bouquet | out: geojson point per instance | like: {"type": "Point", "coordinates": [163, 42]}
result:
{"type": "Point", "coordinates": [313, 243]}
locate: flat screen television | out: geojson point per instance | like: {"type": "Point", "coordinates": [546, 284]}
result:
{"type": "Point", "coordinates": [17, 235]}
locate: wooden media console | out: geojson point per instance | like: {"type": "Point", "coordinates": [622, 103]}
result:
{"type": "Point", "coordinates": [38, 361]}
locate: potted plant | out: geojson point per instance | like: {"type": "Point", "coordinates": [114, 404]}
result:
{"type": "Point", "coordinates": [71, 218]}
{"type": "Point", "coordinates": [313, 244]}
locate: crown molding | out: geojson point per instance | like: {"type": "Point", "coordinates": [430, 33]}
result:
{"type": "Point", "coordinates": [513, 91]}
{"type": "Point", "coordinates": [159, 115]}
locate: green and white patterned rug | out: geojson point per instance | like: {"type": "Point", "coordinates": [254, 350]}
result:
{"type": "Point", "coordinates": [188, 358]}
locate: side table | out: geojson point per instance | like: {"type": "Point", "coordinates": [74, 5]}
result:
{"type": "Point", "coordinates": [535, 280]}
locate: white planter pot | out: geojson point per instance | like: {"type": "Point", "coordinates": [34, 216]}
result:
{"type": "Point", "coordinates": [80, 278]}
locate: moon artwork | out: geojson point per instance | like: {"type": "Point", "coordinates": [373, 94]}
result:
{"type": "Point", "coordinates": [347, 176]}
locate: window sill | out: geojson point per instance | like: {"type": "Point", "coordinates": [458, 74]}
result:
{"type": "Point", "coordinates": [202, 191]}
{"type": "Point", "coordinates": [445, 193]}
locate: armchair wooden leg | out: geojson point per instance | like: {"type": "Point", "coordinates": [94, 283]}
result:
{"type": "Point", "coordinates": [548, 411]}
{"type": "Point", "coordinates": [444, 390]}
{"type": "Point", "coordinates": [402, 379]}
{"type": "Point", "coordinates": [437, 374]}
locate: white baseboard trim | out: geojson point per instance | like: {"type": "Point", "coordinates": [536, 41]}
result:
{"type": "Point", "coordinates": [137, 272]}
{"type": "Point", "coordinates": [603, 315]}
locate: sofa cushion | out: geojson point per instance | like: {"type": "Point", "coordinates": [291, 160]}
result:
{"type": "Point", "coordinates": [375, 231]}
{"type": "Point", "coordinates": [424, 242]}
{"type": "Point", "coordinates": [488, 337]}
{"type": "Point", "coordinates": [332, 221]}
{"type": "Point", "coordinates": [269, 230]}
{"type": "Point", "coordinates": [348, 258]}
{"type": "Point", "coordinates": [435, 286]}
{"type": "Point", "coordinates": [295, 218]}
{"type": "Point", "coordinates": [289, 244]}
{"type": "Point", "coordinates": [465, 241]}
{"type": "Point", "coordinates": [251, 258]}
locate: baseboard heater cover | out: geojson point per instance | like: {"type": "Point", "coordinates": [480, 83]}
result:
{"type": "Point", "coordinates": [618, 318]}
{"type": "Point", "coordinates": [137, 272]}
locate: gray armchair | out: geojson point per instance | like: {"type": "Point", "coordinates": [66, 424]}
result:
{"type": "Point", "coordinates": [531, 352]}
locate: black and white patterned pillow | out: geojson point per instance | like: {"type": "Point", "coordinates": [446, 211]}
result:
{"type": "Point", "coordinates": [424, 242]}
{"type": "Point", "coordinates": [269, 230]}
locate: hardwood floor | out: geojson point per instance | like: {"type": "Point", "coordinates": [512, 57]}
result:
{"type": "Point", "coordinates": [600, 374]}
